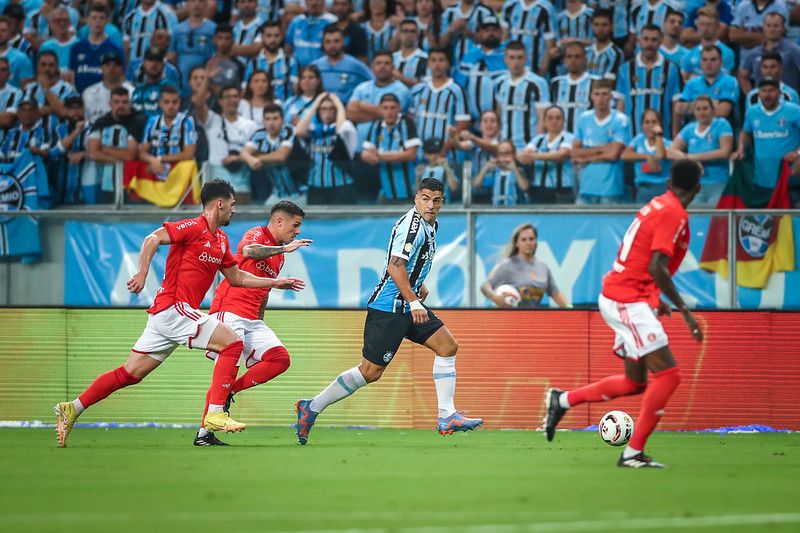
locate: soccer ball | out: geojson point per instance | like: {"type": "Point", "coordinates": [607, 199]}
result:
{"type": "Point", "coordinates": [509, 293]}
{"type": "Point", "coordinates": [616, 428]}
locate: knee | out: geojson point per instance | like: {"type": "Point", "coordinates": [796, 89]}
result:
{"type": "Point", "coordinates": [126, 377]}
{"type": "Point", "coordinates": [452, 349]}
{"type": "Point", "coordinates": [279, 356]}
{"type": "Point", "coordinates": [371, 373]}
{"type": "Point", "coordinates": [636, 387]}
{"type": "Point", "coordinates": [234, 349]}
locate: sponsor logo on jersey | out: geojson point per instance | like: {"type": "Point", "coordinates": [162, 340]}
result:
{"type": "Point", "coordinates": [210, 258]}
{"type": "Point", "coordinates": [264, 267]}
{"type": "Point", "coordinates": [185, 225]}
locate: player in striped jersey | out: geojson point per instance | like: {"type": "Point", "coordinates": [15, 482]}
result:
{"type": "Point", "coordinates": [168, 138]}
{"type": "Point", "coordinates": [520, 97]}
{"type": "Point", "coordinates": [439, 102]}
{"type": "Point", "coordinates": [534, 24]}
{"type": "Point", "coordinates": [508, 182]}
{"type": "Point", "coordinates": [410, 61]}
{"type": "Point", "coordinates": [460, 23]}
{"type": "Point", "coordinates": [395, 311]}
{"type": "Point", "coordinates": [572, 91]}
{"type": "Point", "coordinates": [139, 25]}
{"type": "Point", "coordinates": [377, 26]}
{"type": "Point", "coordinates": [247, 30]}
{"type": "Point", "coordinates": [330, 140]}
{"type": "Point", "coordinates": [648, 81]}
{"type": "Point", "coordinates": [282, 68]}
{"type": "Point", "coordinates": [553, 180]}
{"type": "Point", "coordinates": [10, 97]}
{"type": "Point", "coordinates": [266, 154]}
{"type": "Point", "coordinates": [481, 66]}
{"type": "Point", "coordinates": [603, 57]}
{"type": "Point", "coordinates": [645, 13]}
{"type": "Point", "coordinates": [392, 145]}
{"type": "Point", "coordinates": [771, 67]}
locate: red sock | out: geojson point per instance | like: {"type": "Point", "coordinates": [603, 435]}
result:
{"type": "Point", "coordinates": [605, 389]}
{"type": "Point", "coordinates": [225, 371]}
{"type": "Point", "coordinates": [655, 399]}
{"type": "Point", "coordinates": [105, 384]}
{"type": "Point", "coordinates": [273, 363]}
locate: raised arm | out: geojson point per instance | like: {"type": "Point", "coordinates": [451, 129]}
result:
{"type": "Point", "coordinates": [262, 251]}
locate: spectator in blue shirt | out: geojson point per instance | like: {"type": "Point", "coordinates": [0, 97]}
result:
{"type": "Point", "coordinates": [21, 66]}
{"type": "Point", "coordinates": [748, 21]}
{"type": "Point", "coordinates": [62, 39]}
{"type": "Point", "coordinates": [724, 14]}
{"type": "Point", "coordinates": [774, 40]}
{"type": "Point", "coordinates": [709, 141]}
{"type": "Point", "coordinates": [160, 41]}
{"type": "Point", "coordinates": [341, 73]}
{"type": "Point", "coordinates": [721, 87]}
{"type": "Point", "coordinates": [707, 29]}
{"type": "Point", "coordinates": [85, 55]}
{"type": "Point", "coordinates": [648, 153]}
{"type": "Point", "coordinates": [304, 34]}
{"type": "Point", "coordinates": [771, 67]}
{"type": "Point", "coordinates": [192, 42]}
{"type": "Point", "coordinates": [147, 92]}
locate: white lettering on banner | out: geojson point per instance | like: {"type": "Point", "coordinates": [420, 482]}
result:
{"type": "Point", "coordinates": [567, 272]}
{"type": "Point", "coordinates": [129, 265]}
{"type": "Point", "coordinates": [294, 267]}
{"type": "Point", "coordinates": [349, 264]}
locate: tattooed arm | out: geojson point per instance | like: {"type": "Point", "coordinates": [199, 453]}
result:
{"type": "Point", "coordinates": [399, 273]}
{"type": "Point", "coordinates": [262, 251]}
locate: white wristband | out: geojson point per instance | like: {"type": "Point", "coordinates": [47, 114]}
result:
{"type": "Point", "coordinates": [416, 305]}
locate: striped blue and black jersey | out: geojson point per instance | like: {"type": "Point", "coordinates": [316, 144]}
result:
{"type": "Point", "coordinates": [413, 240]}
{"type": "Point", "coordinates": [23, 45]}
{"type": "Point", "coordinates": [111, 133]}
{"type": "Point", "coordinates": [518, 102]}
{"type": "Point", "coordinates": [478, 72]}
{"type": "Point", "coordinates": [329, 154]}
{"type": "Point", "coordinates": [169, 139]}
{"type": "Point", "coordinates": [282, 73]}
{"type": "Point", "coordinates": [138, 26]}
{"type": "Point", "coordinates": [262, 142]}
{"type": "Point", "coordinates": [270, 9]}
{"type": "Point", "coordinates": [461, 44]}
{"type": "Point", "coordinates": [576, 26]}
{"type": "Point", "coordinates": [533, 24]}
{"type": "Point", "coordinates": [414, 66]}
{"type": "Point", "coordinates": [397, 179]}
{"type": "Point", "coordinates": [641, 87]}
{"type": "Point", "coordinates": [296, 107]}
{"type": "Point", "coordinates": [505, 190]}
{"type": "Point", "coordinates": [643, 13]}
{"type": "Point", "coordinates": [10, 98]}
{"type": "Point", "coordinates": [552, 174]}
{"type": "Point", "coordinates": [621, 10]}
{"type": "Point", "coordinates": [18, 140]}
{"type": "Point", "coordinates": [246, 33]}
{"type": "Point", "coordinates": [35, 91]}
{"type": "Point", "coordinates": [572, 96]}
{"type": "Point", "coordinates": [74, 179]}
{"type": "Point", "coordinates": [378, 40]}
{"type": "Point", "coordinates": [435, 109]}
{"type": "Point", "coordinates": [604, 62]}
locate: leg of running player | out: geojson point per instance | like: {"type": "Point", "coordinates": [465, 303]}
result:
{"type": "Point", "coordinates": [227, 344]}
{"type": "Point", "coordinates": [271, 364]}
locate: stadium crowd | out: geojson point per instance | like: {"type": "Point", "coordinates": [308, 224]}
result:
{"type": "Point", "coordinates": [354, 101]}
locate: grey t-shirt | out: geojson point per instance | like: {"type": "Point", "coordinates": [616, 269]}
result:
{"type": "Point", "coordinates": [532, 280]}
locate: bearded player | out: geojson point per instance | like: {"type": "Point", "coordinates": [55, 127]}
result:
{"type": "Point", "coordinates": [198, 249]}
{"type": "Point", "coordinates": [260, 252]}
{"type": "Point", "coordinates": [651, 252]}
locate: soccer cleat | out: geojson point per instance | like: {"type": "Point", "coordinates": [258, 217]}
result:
{"type": "Point", "coordinates": [554, 412]}
{"type": "Point", "coordinates": [640, 460]}
{"type": "Point", "coordinates": [209, 439]}
{"type": "Point", "coordinates": [65, 419]}
{"type": "Point", "coordinates": [305, 420]}
{"type": "Point", "coordinates": [228, 402]}
{"type": "Point", "coordinates": [457, 422]}
{"type": "Point", "coordinates": [221, 421]}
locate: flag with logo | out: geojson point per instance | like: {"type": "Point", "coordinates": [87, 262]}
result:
{"type": "Point", "coordinates": [181, 182]}
{"type": "Point", "coordinates": [23, 187]}
{"type": "Point", "coordinates": [764, 243]}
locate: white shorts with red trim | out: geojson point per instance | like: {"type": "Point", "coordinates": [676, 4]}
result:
{"type": "Point", "coordinates": [179, 324]}
{"type": "Point", "coordinates": [637, 329]}
{"type": "Point", "coordinates": [257, 337]}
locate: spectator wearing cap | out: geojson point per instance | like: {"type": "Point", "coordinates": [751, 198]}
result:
{"type": "Point", "coordinates": [27, 134]}
{"type": "Point", "coordinates": [722, 88]}
{"type": "Point", "coordinates": [341, 73]}
{"type": "Point", "coordinates": [772, 127]}
{"type": "Point", "coordinates": [481, 66]}
{"type": "Point", "coordinates": [304, 34]}
{"type": "Point", "coordinates": [10, 97]}
{"type": "Point", "coordinates": [37, 27]}
{"type": "Point", "coordinates": [148, 16]}
{"type": "Point", "coordinates": [192, 41]}
{"type": "Point", "coordinates": [62, 40]}
{"type": "Point", "coordinates": [86, 56]}
{"type": "Point", "coordinates": [434, 165]}
{"type": "Point", "coordinates": [355, 38]}
{"type": "Point", "coordinates": [707, 24]}
{"type": "Point", "coordinates": [96, 97]}
{"type": "Point", "coordinates": [224, 67]}
{"type": "Point", "coordinates": [410, 61]}
{"type": "Point", "coordinates": [774, 40]}
{"type": "Point", "coordinates": [771, 67]}
{"type": "Point", "coordinates": [21, 66]}
{"type": "Point", "coordinates": [272, 59]}
{"type": "Point", "coordinates": [391, 145]}
{"type": "Point", "coordinates": [147, 92]}
{"type": "Point", "coordinates": [160, 42]}
{"type": "Point", "coordinates": [16, 15]}
{"type": "Point", "coordinates": [748, 21]}
{"type": "Point", "coordinates": [49, 90]}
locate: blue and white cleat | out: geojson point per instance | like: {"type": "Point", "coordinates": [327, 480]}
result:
{"type": "Point", "coordinates": [458, 422]}
{"type": "Point", "coordinates": [305, 420]}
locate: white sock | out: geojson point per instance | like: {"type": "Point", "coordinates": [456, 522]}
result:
{"type": "Point", "coordinates": [444, 377]}
{"type": "Point", "coordinates": [343, 386]}
{"type": "Point", "coordinates": [79, 408]}
{"type": "Point", "coordinates": [203, 432]}
{"type": "Point", "coordinates": [629, 452]}
{"type": "Point", "coordinates": [215, 408]}
{"type": "Point", "coordinates": [563, 400]}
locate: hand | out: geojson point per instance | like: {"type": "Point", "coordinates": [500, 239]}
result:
{"type": "Point", "coordinates": [396, 74]}
{"type": "Point", "coordinates": [694, 327]}
{"type": "Point", "coordinates": [79, 125]}
{"type": "Point", "coordinates": [501, 302]}
{"type": "Point", "coordinates": [791, 157]}
{"type": "Point", "coordinates": [75, 158]}
{"type": "Point", "coordinates": [231, 159]}
{"type": "Point", "coordinates": [295, 244]}
{"type": "Point", "coordinates": [156, 167]}
{"type": "Point", "coordinates": [664, 309]}
{"type": "Point", "coordinates": [458, 25]}
{"type": "Point", "coordinates": [419, 316]}
{"type": "Point", "coordinates": [654, 164]}
{"type": "Point", "coordinates": [294, 284]}
{"type": "Point", "coordinates": [254, 163]}
{"type": "Point", "coordinates": [423, 293]}
{"type": "Point", "coordinates": [492, 163]}
{"type": "Point", "coordinates": [737, 155]}
{"type": "Point", "coordinates": [136, 283]}
{"type": "Point", "coordinates": [45, 81]}
{"type": "Point", "coordinates": [657, 131]}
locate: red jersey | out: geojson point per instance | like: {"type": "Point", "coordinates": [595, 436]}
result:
{"type": "Point", "coordinates": [247, 302]}
{"type": "Point", "coordinates": [195, 256]}
{"type": "Point", "coordinates": [660, 226]}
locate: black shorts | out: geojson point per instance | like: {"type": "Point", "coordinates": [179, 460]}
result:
{"type": "Point", "coordinates": [383, 333]}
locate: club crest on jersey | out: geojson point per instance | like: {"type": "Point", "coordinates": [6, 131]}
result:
{"type": "Point", "coordinates": [755, 233]}
{"type": "Point", "coordinates": [12, 195]}
{"type": "Point", "coordinates": [387, 356]}
{"type": "Point", "coordinates": [781, 122]}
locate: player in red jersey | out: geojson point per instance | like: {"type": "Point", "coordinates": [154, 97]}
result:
{"type": "Point", "coordinates": [199, 248]}
{"type": "Point", "coordinates": [651, 252]}
{"type": "Point", "coordinates": [260, 252]}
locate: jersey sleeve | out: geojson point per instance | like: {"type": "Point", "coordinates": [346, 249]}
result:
{"type": "Point", "coordinates": [461, 113]}
{"type": "Point", "coordinates": [748, 119]}
{"type": "Point", "coordinates": [551, 288]}
{"type": "Point", "coordinates": [228, 260]}
{"type": "Point", "coordinates": [405, 237]}
{"type": "Point", "coordinates": [189, 132]}
{"type": "Point", "coordinates": [622, 132]}
{"type": "Point", "coordinates": [500, 274]}
{"type": "Point", "coordinates": [183, 230]}
{"type": "Point", "coordinates": [667, 231]}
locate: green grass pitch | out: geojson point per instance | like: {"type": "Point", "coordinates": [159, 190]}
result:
{"type": "Point", "coordinates": [152, 480]}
